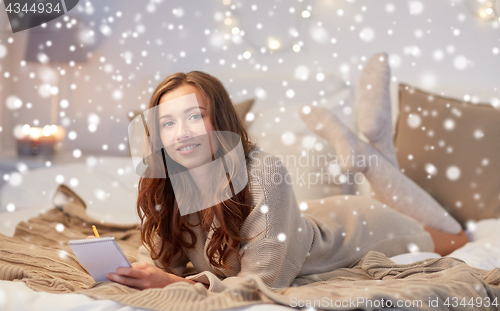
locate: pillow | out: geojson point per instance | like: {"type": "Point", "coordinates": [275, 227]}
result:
{"type": "Point", "coordinates": [452, 150]}
{"type": "Point", "coordinates": [242, 108]}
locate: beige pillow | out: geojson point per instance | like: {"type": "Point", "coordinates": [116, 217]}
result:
{"type": "Point", "coordinates": [452, 150]}
{"type": "Point", "coordinates": [242, 108]}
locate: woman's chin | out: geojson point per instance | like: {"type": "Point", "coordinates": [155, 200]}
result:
{"type": "Point", "coordinates": [192, 163]}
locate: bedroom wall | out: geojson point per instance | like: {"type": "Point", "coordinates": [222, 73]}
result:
{"type": "Point", "coordinates": [436, 45]}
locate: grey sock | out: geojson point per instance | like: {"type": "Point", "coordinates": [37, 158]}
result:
{"type": "Point", "coordinates": [389, 185]}
{"type": "Point", "coordinates": [374, 102]}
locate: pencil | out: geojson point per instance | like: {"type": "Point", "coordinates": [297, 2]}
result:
{"type": "Point", "coordinates": [95, 231]}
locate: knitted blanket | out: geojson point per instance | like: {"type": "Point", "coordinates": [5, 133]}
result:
{"type": "Point", "coordinates": [38, 255]}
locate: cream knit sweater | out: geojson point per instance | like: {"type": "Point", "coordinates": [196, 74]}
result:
{"type": "Point", "coordinates": [332, 233]}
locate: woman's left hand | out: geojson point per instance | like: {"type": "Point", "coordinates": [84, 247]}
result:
{"type": "Point", "coordinates": [143, 275]}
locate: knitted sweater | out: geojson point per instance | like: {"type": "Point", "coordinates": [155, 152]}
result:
{"type": "Point", "coordinates": [287, 243]}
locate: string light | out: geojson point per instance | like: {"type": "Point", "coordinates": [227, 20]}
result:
{"type": "Point", "coordinates": [485, 10]}
{"type": "Point", "coordinates": [273, 44]}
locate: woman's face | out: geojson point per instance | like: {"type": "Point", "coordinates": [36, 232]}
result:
{"type": "Point", "coordinates": [184, 127]}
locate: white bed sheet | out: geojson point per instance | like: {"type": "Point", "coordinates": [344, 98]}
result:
{"type": "Point", "coordinates": [16, 296]}
{"type": "Point", "coordinates": [110, 184]}
{"type": "Point", "coordinates": [107, 184]}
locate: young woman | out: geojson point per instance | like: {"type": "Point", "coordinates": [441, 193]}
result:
{"type": "Point", "coordinates": [260, 230]}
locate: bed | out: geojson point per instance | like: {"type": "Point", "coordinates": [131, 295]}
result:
{"type": "Point", "coordinates": [108, 185]}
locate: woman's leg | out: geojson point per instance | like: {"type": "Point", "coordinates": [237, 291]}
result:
{"type": "Point", "coordinates": [390, 186]}
{"type": "Point", "coordinates": [359, 224]}
{"type": "Point", "coordinates": [374, 106]}
{"type": "Point", "coordinates": [375, 122]}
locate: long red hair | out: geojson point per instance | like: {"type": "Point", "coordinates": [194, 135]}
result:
{"type": "Point", "coordinates": [156, 203]}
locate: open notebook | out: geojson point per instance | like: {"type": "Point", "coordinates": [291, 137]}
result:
{"type": "Point", "coordinates": [99, 256]}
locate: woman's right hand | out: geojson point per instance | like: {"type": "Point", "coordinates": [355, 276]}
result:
{"type": "Point", "coordinates": [91, 237]}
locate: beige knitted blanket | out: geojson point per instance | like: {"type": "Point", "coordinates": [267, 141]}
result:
{"type": "Point", "coordinates": [38, 255]}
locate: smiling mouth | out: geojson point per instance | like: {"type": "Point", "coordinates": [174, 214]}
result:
{"type": "Point", "coordinates": [188, 147]}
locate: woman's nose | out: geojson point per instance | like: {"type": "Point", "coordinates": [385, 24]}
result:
{"type": "Point", "coordinates": [183, 132]}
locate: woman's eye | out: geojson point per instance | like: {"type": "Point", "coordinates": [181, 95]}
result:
{"type": "Point", "coordinates": [168, 124]}
{"type": "Point", "coordinates": [196, 117]}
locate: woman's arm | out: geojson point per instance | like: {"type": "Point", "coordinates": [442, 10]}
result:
{"type": "Point", "coordinates": [143, 275]}
{"type": "Point", "coordinates": [193, 282]}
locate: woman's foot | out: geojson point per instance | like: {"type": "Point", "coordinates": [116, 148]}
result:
{"type": "Point", "coordinates": [445, 243]}
{"type": "Point", "coordinates": [374, 102]}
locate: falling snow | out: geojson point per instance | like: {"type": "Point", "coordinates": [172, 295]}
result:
{"type": "Point", "coordinates": [453, 172]}
{"type": "Point", "coordinates": [281, 237]}
{"type": "Point", "coordinates": [414, 120]}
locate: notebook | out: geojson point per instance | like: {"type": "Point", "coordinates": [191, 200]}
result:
{"type": "Point", "coordinates": [99, 256]}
